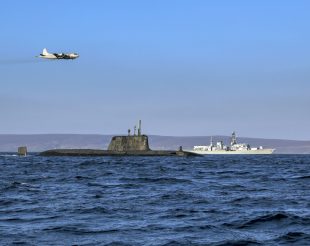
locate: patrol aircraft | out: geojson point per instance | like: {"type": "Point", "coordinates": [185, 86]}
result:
{"type": "Point", "coordinates": [47, 55]}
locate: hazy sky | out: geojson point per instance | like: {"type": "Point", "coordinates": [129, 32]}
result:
{"type": "Point", "coordinates": [182, 67]}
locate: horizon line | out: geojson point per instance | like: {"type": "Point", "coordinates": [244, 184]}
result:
{"type": "Point", "coordinates": [158, 135]}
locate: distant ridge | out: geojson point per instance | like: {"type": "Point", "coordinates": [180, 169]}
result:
{"type": "Point", "coordinates": [41, 142]}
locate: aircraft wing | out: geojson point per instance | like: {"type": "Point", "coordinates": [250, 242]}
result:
{"type": "Point", "coordinates": [62, 56]}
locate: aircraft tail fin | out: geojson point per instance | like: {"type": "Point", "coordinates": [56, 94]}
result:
{"type": "Point", "coordinates": [44, 52]}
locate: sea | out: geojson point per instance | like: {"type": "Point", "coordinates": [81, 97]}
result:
{"type": "Point", "coordinates": [211, 200]}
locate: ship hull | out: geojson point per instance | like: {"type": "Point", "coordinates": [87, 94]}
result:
{"type": "Point", "coordinates": [99, 152]}
{"type": "Point", "coordinates": [236, 152]}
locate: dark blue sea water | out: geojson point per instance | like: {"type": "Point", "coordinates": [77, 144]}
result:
{"type": "Point", "coordinates": [214, 200]}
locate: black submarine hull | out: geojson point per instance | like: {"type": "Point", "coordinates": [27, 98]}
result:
{"type": "Point", "coordinates": [98, 152]}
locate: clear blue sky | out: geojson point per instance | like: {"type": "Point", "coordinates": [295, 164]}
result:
{"type": "Point", "coordinates": [182, 67]}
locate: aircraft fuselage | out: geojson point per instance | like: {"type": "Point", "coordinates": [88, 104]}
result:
{"type": "Point", "coordinates": [68, 56]}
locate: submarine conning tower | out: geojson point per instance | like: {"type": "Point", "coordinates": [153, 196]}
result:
{"type": "Point", "coordinates": [135, 142]}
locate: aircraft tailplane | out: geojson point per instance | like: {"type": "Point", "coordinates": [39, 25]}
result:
{"type": "Point", "coordinates": [45, 52]}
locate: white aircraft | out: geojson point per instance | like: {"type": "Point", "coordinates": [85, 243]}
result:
{"type": "Point", "coordinates": [47, 55]}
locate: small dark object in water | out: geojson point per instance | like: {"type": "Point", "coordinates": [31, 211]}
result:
{"type": "Point", "coordinates": [22, 151]}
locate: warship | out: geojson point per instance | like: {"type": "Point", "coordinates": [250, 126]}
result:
{"type": "Point", "coordinates": [130, 145]}
{"type": "Point", "coordinates": [235, 148]}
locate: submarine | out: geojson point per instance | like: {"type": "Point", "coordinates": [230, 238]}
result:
{"type": "Point", "coordinates": [136, 144]}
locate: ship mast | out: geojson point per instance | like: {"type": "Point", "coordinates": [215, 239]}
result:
{"type": "Point", "coordinates": [233, 139]}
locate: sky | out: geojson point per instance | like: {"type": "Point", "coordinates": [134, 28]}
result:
{"type": "Point", "coordinates": [185, 68]}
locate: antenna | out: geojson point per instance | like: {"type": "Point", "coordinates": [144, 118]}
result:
{"type": "Point", "coordinates": [139, 129]}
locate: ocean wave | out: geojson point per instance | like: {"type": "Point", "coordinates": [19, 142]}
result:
{"type": "Point", "coordinates": [294, 237]}
{"type": "Point", "coordinates": [302, 177]}
{"type": "Point", "coordinates": [157, 180]}
{"type": "Point", "coordinates": [8, 155]}
{"type": "Point", "coordinates": [22, 219]}
{"type": "Point", "coordinates": [92, 210]}
{"type": "Point", "coordinates": [238, 243]}
{"type": "Point", "coordinates": [272, 218]}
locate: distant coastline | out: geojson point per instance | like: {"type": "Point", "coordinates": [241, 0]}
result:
{"type": "Point", "coordinates": [41, 142]}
